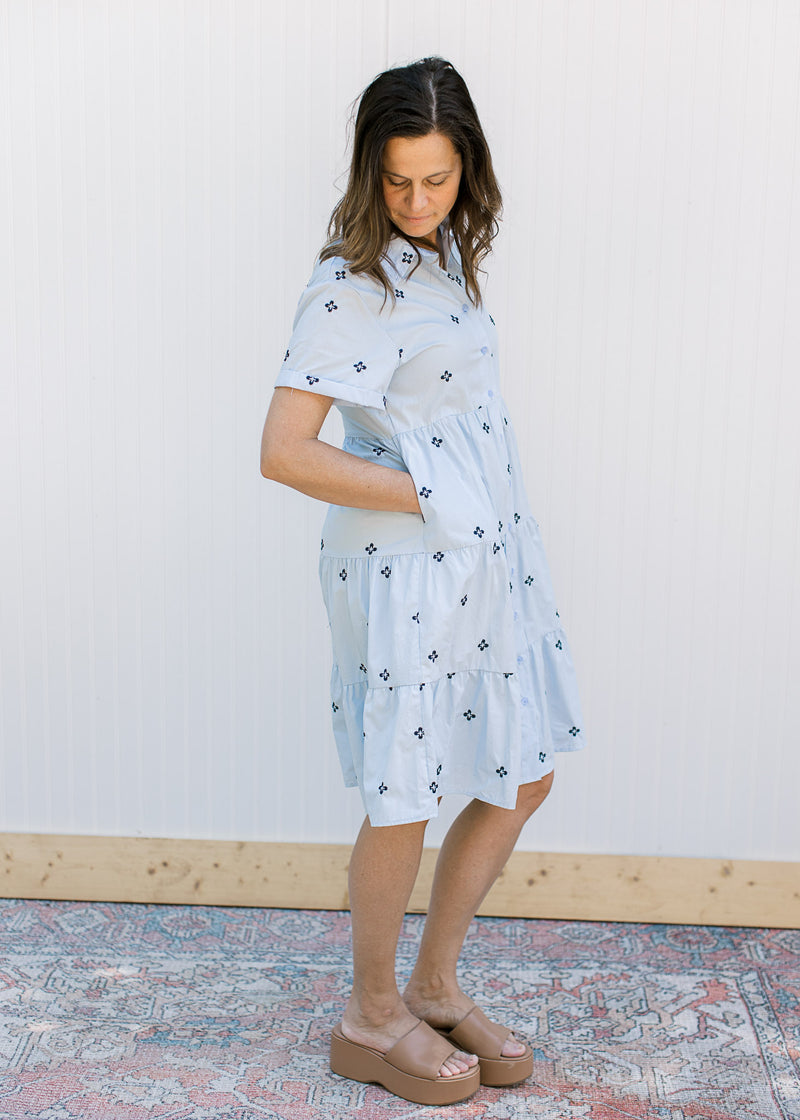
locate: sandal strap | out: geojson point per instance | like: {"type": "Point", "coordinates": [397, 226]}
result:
{"type": "Point", "coordinates": [421, 1052]}
{"type": "Point", "coordinates": [479, 1035]}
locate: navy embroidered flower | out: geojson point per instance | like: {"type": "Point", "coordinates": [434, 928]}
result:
{"type": "Point", "coordinates": [382, 789]}
{"type": "Point", "coordinates": [311, 380]}
{"type": "Point", "coordinates": [378, 451]}
{"type": "Point", "coordinates": [407, 258]}
{"type": "Point", "coordinates": [433, 655]}
{"type": "Point", "coordinates": [425, 492]}
{"type": "Point", "coordinates": [433, 787]}
{"type": "Point", "coordinates": [469, 714]}
{"type": "Point", "coordinates": [438, 556]}
{"type": "Point", "coordinates": [343, 574]}
{"type": "Point", "coordinates": [529, 580]}
{"type": "Point", "coordinates": [331, 306]}
{"type": "Point", "coordinates": [477, 531]}
{"type": "Point", "coordinates": [501, 770]}
{"type": "Point", "coordinates": [542, 756]}
{"type": "Point", "coordinates": [415, 617]}
{"type": "Point", "coordinates": [558, 644]}
{"type": "Point", "coordinates": [359, 367]}
{"type": "Point", "coordinates": [420, 734]}
{"type": "Point", "coordinates": [573, 731]}
{"type": "Point", "coordinates": [446, 375]}
{"type": "Point", "coordinates": [486, 427]}
{"type": "Point", "coordinates": [384, 675]}
{"type": "Point", "coordinates": [334, 706]}
{"type": "Point", "coordinates": [286, 356]}
{"type": "Point", "coordinates": [363, 667]}
{"type": "Point", "coordinates": [340, 274]}
{"type": "Point", "coordinates": [387, 571]}
{"type": "Point", "coordinates": [437, 441]}
{"type": "Point", "coordinates": [454, 318]}
{"type": "Point", "coordinates": [463, 600]}
{"type": "Point", "coordinates": [483, 644]}
{"type": "Point", "coordinates": [516, 519]}
{"type": "Point", "coordinates": [399, 293]}
{"type": "Point", "coordinates": [495, 548]}
{"type": "Point", "coordinates": [370, 548]}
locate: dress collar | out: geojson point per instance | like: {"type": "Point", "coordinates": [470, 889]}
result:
{"type": "Point", "coordinates": [403, 254]}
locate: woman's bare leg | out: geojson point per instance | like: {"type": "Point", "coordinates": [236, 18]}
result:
{"type": "Point", "coordinates": [383, 868]}
{"type": "Point", "coordinates": [473, 854]}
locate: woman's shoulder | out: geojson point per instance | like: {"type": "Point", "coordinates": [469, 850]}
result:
{"type": "Point", "coordinates": [332, 268]}
{"type": "Point", "coordinates": [341, 298]}
{"type": "Point", "coordinates": [335, 274]}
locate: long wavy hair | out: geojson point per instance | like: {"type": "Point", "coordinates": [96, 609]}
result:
{"type": "Point", "coordinates": [408, 101]}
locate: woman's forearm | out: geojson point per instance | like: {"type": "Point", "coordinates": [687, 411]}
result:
{"type": "Point", "coordinates": [335, 476]}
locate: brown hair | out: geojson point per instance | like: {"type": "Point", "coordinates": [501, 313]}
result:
{"type": "Point", "coordinates": [408, 101]}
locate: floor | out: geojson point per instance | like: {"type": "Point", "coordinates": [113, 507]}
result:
{"type": "Point", "coordinates": [210, 1013]}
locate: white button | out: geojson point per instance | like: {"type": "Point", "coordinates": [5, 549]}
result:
{"type": "Point", "coordinates": [490, 394]}
{"type": "Point", "coordinates": [484, 349]}
{"type": "Point", "coordinates": [465, 307]}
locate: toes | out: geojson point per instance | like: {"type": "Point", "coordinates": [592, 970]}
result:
{"type": "Point", "coordinates": [458, 1063]}
{"type": "Point", "coordinates": [512, 1048]}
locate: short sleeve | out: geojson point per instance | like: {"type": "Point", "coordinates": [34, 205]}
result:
{"type": "Point", "coordinates": [338, 348]}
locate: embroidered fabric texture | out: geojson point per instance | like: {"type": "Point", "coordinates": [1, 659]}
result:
{"type": "Point", "coordinates": [452, 673]}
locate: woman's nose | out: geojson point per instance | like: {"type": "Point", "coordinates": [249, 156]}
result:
{"type": "Point", "coordinates": [418, 199]}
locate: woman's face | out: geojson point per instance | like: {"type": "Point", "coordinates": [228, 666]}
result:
{"type": "Point", "coordinates": [421, 175]}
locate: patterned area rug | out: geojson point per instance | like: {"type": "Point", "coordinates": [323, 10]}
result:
{"type": "Point", "coordinates": [204, 1013]}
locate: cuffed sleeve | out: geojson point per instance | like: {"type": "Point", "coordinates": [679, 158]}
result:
{"type": "Point", "coordinates": [338, 347]}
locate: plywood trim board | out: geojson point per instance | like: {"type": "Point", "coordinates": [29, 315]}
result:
{"type": "Point", "coordinates": [314, 876]}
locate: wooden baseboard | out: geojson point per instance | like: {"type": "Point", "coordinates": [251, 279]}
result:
{"type": "Point", "coordinates": [314, 876]}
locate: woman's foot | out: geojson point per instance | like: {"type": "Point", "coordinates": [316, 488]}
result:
{"type": "Point", "coordinates": [443, 1007]}
{"type": "Point", "coordinates": [381, 1027]}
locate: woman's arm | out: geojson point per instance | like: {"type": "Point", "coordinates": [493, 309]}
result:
{"type": "Point", "coordinates": [292, 454]}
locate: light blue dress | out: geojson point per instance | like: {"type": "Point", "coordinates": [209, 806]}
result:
{"type": "Point", "coordinates": [451, 671]}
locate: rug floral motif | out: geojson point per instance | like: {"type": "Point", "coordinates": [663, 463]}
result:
{"type": "Point", "coordinates": [128, 1012]}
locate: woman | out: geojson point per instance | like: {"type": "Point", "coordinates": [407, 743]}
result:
{"type": "Point", "coordinates": [451, 672]}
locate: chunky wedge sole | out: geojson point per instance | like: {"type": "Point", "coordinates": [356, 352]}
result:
{"type": "Point", "coordinates": [479, 1035]}
{"type": "Point", "coordinates": [409, 1070]}
{"type": "Point", "coordinates": [499, 1072]}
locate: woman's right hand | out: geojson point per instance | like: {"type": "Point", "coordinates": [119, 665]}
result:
{"type": "Point", "coordinates": [292, 453]}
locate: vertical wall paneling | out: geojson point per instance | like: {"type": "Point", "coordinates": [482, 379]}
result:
{"type": "Point", "coordinates": [166, 174]}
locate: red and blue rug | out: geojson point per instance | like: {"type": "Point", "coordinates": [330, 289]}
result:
{"type": "Point", "coordinates": [120, 1012]}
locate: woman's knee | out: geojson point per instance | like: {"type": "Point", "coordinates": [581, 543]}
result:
{"type": "Point", "coordinates": [531, 795]}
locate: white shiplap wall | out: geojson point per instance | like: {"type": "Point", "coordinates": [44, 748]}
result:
{"type": "Point", "coordinates": [166, 172]}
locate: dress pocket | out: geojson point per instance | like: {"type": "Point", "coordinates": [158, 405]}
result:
{"type": "Point", "coordinates": [452, 491]}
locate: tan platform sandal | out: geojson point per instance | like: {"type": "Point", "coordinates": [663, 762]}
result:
{"type": "Point", "coordinates": [479, 1035]}
{"type": "Point", "coordinates": [409, 1070]}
